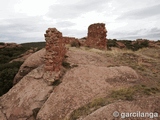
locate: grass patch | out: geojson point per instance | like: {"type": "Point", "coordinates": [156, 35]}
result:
{"type": "Point", "coordinates": [127, 94]}
{"type": "Point", "coordinates": [89, 108]}
{"type": "Point", "coordinates": [123, 94]}
{"type": "Point", "coordinates": [130, 93]}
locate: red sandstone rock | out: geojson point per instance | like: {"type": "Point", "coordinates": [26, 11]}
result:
{"type": "Point", "coordinates": [97, 36]}
{"type": "Point", "coordinates": [32, 62]}
{"type": "Point", "coordinates": [120, 45]}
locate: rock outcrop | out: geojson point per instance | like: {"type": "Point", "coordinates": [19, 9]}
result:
{"type": "Point", "coordinates": [97, 36]}
{"type": "Point", "coordinates": [80, 86]}
{"type": "Point", "coordinates": [150, 105]}
{"type": "Point", "coordinates": [32, 98]}
{"type": "Point", "coordinates": [55, 50]}
{"type": "Point", "coordinates": [32, 62]}
{"type": "Point", "coordinates": [26, 98]}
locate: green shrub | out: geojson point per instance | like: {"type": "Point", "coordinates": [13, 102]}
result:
{"type": "Point", "coordinates": [15, 64]}
{"type": "Point", "coordinates": [88, 108]}
{"type": "Point", "coordinates": [9, 70]}
{"type": "Point", "coordinates": [123, 94]}
{"type": "Point", "coordinates": [127, 43]}
{"type": "Point", "coordinates": [75, 44]}
{"type": "Point", "coordinates": [38, 45]}
{"type": "Point", "coordinates": [4, 59]}
{"type": "Point", "coordinates": [135, 46]}
{"type": "Point", "coordinates": [111, 43]}
{"type": "Point", "coordinates": [1, 43]}
{"type": "Point", "coordinates": [145, 43]}
{"type": "Point", "coordinates": [8, 54]}
{"type": "Point", "coordinates": [7, 73]}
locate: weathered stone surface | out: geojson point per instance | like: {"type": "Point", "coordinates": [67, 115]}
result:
{"type": "Point", "coordinates": [55, 50]}
{"type": "Point", "coordinates": [80, 86]}
{"type": "Point", "coordinates": [26, 98]}
{"type": "Point", "coordinates": [97, 36]}
{"type": "Point", "coordinates": [33, 61]}
{"type": "Point", "coordinates": [32, 97]}
{"type": "Point", "coordinates": [148, 105]}
{"type": "Point", "coordinates": [2, 116]}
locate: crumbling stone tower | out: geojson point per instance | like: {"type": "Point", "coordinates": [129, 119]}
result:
{"type": "Point", "coordinates": [55, 50]}
{"type": "Point", "coordinates": [97, 36]}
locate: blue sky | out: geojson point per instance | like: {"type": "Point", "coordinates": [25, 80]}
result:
{"type": "Point", "coordinates": [26, 20]}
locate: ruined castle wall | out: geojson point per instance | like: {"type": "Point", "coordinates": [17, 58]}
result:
{"type": "Point", "coordinates": [69, 40]}
{"type": "Point", "coordinates": [55, 50]}
{"type": "Point", "coordinates": [97, 36]}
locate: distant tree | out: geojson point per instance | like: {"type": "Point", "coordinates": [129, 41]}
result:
{"type": "Point", "coordinates": [1, 43]}
{"type": "Point", "coordinates": [7, 73]}
{"type": "Point", "coordinates": [111, 43]}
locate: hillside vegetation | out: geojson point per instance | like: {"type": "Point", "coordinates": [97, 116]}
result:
{"type": "Point", "coordinates": [8, 70]}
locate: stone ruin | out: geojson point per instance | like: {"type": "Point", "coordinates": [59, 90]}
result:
{"type": "Point", "coordinates": [69, 40]}
{"type": "Point", "coordinates": [55, 44]}
{"type": "Point", "coordinates": [97, 36]}
{"type": "Point", "coordinates": [55, 50]}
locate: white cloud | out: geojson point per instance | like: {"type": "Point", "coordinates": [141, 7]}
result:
{"type": "Point", "coordinates": [142, 13]}
{"type": "Point", "coordinates": [27, 20]}
{"type": "Point", "coordinates": [33, 7]}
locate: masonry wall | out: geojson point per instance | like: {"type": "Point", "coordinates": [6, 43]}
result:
{"type": "Point", "coordinates": [55, 50]}
{"type": "Point", "coordinates": [97, 36]}
{"type": "Point", "coordinates": [69, 40]}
